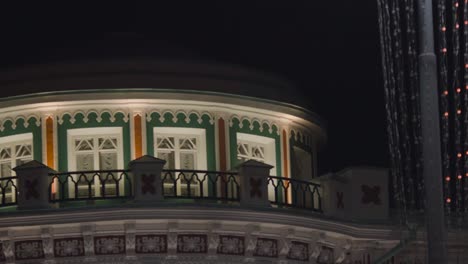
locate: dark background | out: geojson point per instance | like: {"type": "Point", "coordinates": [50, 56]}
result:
{"type": "Point", "coordinates": [328, 49]}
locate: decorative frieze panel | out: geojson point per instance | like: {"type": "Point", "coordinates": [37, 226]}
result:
{"type": "Point", "coordinates": [298, 251]}
{"type": "Point", "coordinates": [190, 243]}
{"type": "Point", "coordinates": [325, 256]}
{"type": "Point", "coordinates": [253, 122]}
{"type": "Point", "coordinates": [231, 245]}
{"type": "Point", "coordinates": [178, 114]}
{"type": "Point", "coordinates": [29, 250]}
{"type": "Point", "coordinates": [69, 247]}
{"type": "Point", "coordinates": [2, 254]}
{"type": "Point", "coordinates": [266, 248]}
{"type": "Point", "coordinates": [151, 244]}
{"type": "Point", "coordinates": [99, 114]}
{"type": "Point", "coordinates": [14, 121]}
{"type": "Point", "coordinates": [158, 246]}
{"type": "Point", "coordinates": [109, 245]}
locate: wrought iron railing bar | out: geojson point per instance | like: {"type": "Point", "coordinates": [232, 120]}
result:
{"type": "Point", "coordinates": [201, 171]}
{"type": "Point", "coordinates": [87, 172]}
{"type": "Point", "coordinates": [294, 180]}
{"type": "Point", "coordinates": [8, 178]}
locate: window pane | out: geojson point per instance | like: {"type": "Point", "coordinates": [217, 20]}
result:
{"type": "Point", "coordinates": [85, 162]}
{"type": "Point", "coordinates": [23, 150]}
{"type": "Point", "coordinates": [107, 143]}
{"type": "Point", "coordinates": [165, 143]}
{"type": "Point", "coordinates": [108, 161]}
{"type": "Point", "coordinates": [188, 143]}
{"type": "Point", "coordinates": [250, 150]}
{"type": "Point", "coordinates": [84, 144]}
{"type": "Point", "coordinates": [5, 153]}
{"type": "Point", "coordinates": [242, 149]}
{"type": "Point", "coordinates": [187, 161]}
{"type": "Point", "coordinates": [169, 158]}
{"type": "Point", "coordinates": [258, 152]}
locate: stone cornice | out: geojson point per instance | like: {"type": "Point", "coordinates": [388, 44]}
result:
{"type": "Point", "coordinates": [267, 217]}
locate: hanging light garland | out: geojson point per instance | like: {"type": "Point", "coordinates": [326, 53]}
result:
{"type": "Point", "coordinates": [464, 181]}
{"type": "Point", "coordinates": [444, 100]}
{"type": "Point", "coordinates": [399, 54]}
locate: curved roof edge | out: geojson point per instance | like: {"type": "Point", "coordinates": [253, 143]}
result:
{"type": "Point", "coordinates": [175, 94]}
{"type": "Point", "coordinates": [144, 72]}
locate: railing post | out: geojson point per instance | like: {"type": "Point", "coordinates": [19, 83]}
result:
{"type": "Point", "coordinates": [254, 183]}
{"type": "Point", "coordinates": [357, 194]}
{"type": "Point", "coordinates": [147, 186]}
{"type": "Point", "coordinates": [33, 185]}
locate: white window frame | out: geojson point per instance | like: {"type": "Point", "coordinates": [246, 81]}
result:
{"type": "Point", "coordinates": [201, 156]}
{"type": "Point", "coordinates": [73, 134]}
{"type": "Point", "coordinates": [269, 147]}
{"type": "Point", "coordinates": [12, 141]}
{"type": "Point", "coordinates": [268, 144]}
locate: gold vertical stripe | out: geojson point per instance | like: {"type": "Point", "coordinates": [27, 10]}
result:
{"type": "Point", "coordinates": [50, 141]}
{"type": "Point", "coordinates": [286, 164]}
{"type": "Point", "coordinates": [50, 149]}
{"type": "Point", "coordinates": [138, 139]}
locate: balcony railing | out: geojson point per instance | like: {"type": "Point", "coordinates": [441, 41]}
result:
{"type": "Point", "coordinates": [251, 185]}
{"type": "Point", "coordinates": [294, 193]}
{"type": "Point", "coordinates": [197, 184]}
{"type": "Point", "coordinates": [90, 185]}
{"type": "Point", "coordinates": [9, 191]}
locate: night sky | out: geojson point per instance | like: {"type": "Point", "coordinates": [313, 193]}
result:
{"type": "Point", "coordinates": [328, 49]}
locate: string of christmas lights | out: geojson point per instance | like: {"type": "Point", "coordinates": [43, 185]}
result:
{"type": "Point", "coordinates": [444, 100]}
{"type": "Point", "coordinates": [457, 112]}
{"type": "Point", "coordinates": [399, 54]}
{"type": "Point", "coordinates": [389, 85]}
{"type": "Point", "coordinates": [463, 181]}
{"type": "Point", "coordinates": [401, 115]}
{"type": "Point", "coordinates": [412, 63]}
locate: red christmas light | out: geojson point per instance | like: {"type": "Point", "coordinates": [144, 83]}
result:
{"type": "Point", "coordinates": [448, 200]}
{"type": "Point", "coordinates": [444, 28]}
{"type": "Point", "coordinates": [458, 111]}
{"type": "Point", "coordinates": [447, 178]}
{"type": "Point", "coordinates": [459, 154]}
{"type": "Point", "coordinates": [444, 50]}
{"type": "Point", "coordinates": [458, 90]}
{"type": "Point", "coordinates": [459, 177]}
{"type": "Point", "coordinates": [446, 114]}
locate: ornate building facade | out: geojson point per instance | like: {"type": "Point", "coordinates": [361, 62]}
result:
{"type": "Point", "coordinates": [175, 162]}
